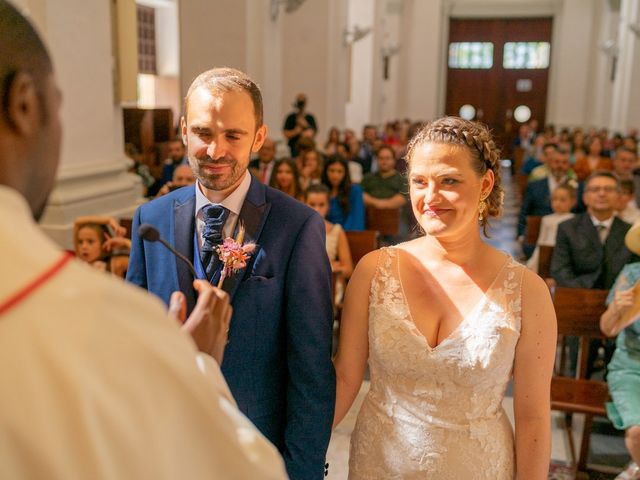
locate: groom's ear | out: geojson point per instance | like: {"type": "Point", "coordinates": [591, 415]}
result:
{"type": "Point", "coordinates": [259, 138]}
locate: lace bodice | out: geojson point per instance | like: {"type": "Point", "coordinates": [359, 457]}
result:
{"type": "Point", "coordinates": [437, 412]}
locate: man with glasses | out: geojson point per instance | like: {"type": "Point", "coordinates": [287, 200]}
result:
{"type": "Point", "coordinates": [590, 249]}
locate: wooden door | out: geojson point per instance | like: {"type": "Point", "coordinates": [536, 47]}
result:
{"type": "Point", "coordinates": [496, 88]}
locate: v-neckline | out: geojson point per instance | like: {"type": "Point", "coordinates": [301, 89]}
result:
{"type": "Point", "coordinates": [472, 312]}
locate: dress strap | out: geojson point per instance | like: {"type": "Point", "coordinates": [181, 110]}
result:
{"type": "Point", "coordinates": [511, 287]}
{"type": "Point", "coordinates": [17, 297]}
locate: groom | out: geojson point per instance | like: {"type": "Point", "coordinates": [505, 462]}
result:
{"type": "Point", "coordinates": [278, 360]}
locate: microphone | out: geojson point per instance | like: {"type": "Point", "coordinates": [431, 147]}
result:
{"type": "Point", "coordinates": [150, 234]}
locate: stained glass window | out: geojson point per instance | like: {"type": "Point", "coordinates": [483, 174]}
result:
{"type": "Point", "coordinates": [526, 55]}
{"type": "Point", "coordinates": [471, 55]}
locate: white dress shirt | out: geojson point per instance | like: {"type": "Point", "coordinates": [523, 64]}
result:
{"type": "Point", "coordinates": [604, 233]}
{"type": "Point", "coordinates": [233, 203]}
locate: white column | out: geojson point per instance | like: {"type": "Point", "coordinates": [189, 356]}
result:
{"type": "Point", "coordinates": [422, 71]}
{"type": "Point", "coordinates": [625, 111]}
{"type": "Point", "coordinates": [361, 14]}
{"type": "Point", "coordinates": [314, 61]}
{"type": "Point", "coordinates": [264, 61]}
{"type": "Point", "coordinates": [92, 177]}
{"type": "Point", "coordinates": [212, 34]}
{"type": "Point", "coordinates": [571, 69]}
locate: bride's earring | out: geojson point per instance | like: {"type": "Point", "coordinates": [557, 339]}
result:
{"type": "Point", "coordinates": [482, 209]}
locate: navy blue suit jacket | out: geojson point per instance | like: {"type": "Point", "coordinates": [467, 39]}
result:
{"type": "Point", "coordinates": [278, 360]}
{"type": "Point", "coordinates": [537, 201]}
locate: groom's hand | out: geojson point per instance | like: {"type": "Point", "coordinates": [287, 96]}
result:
{"type": "Point", "coordinates": [208, 324]}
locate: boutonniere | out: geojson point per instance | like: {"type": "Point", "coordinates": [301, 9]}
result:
{"type": "Point", "coordinates": [233, 254]}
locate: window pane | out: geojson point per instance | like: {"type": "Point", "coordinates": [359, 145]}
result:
{"type": "Point", "coordinates": [526, 55]}
{"type": "Point", "coordinates": [471, 55]}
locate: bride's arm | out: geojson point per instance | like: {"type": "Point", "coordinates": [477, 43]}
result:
{"type": "Point", "coordinates": [532, 371]}
{"type": "Point", "coordinates": [353, 346]}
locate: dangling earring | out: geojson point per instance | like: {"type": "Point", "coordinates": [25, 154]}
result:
{"type": "Point", "coordinates": [482, 209]}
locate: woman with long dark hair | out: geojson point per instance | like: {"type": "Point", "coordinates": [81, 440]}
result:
{"type": "Point", "coordinates": [285, 177]}
{"type": "Point", "coordinates": [346, 205]}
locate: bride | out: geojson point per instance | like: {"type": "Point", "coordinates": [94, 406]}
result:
{"type": "Point", "coordinates": [444, 321]}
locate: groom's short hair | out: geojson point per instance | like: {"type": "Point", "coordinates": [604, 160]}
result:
{"type": "Point", "coordinates": [226, 79]}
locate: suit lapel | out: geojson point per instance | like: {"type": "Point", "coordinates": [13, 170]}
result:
{"type": "Point", "coordinates": [184, 226]}
{"type": "Point", "coordinates": [253, 215]}
{"type": "Point", "coordinates": [592, 232]}
{"type": "Point", "coordinates": [615, 239]}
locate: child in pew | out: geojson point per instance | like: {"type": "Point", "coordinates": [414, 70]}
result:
{"type": "Point", "coordinates": [317, 197]}
{"type": "Point", "coordinates": [563, 199]}
{"type": "Point", "coordinates": [621, 319]}
{"type": "Point", "coordinates": [627, 208]}
{"type": "Point", "coordinates": [100, 242]}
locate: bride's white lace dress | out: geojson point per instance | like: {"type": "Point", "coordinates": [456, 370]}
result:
{"type": "Point", "coordinates": [437, 412]}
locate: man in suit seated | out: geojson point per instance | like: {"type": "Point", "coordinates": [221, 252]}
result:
{"type": "Point", "coordinates": [537, 196]}
{"type": "Point", "coordinates": [590, 249]}
{"type": "Point", "coordinates": [262, 167]}
{"type": "Point", "coordinates": [278, 360]}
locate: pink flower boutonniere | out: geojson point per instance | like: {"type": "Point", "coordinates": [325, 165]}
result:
{"type": "Point", "coordinates": [234, 255]}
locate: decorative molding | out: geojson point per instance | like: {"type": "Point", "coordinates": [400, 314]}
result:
{"type": "Point", "coordinates": [501, 9]}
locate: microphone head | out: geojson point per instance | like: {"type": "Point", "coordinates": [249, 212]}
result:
{"type": "Point", "coordinates": [148, 233]}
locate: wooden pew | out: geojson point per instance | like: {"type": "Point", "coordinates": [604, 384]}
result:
{"type": "Point", "coordinates": [578, 312]}
{"type": "Point", "coordinates": [544, 260]}
{"type": "Point", "coordinates": [361, 243]}
{"type": "Point", "coordinates": [533, 229]}
{"type": "Point", "coordinates": [385, 221]}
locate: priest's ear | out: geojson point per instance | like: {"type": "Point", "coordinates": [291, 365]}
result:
{"type": "Point", "coordinates": [22, 110]}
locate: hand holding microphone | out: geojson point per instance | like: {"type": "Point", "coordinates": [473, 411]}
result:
{"type": "Point", "coordinates": [208, 324]}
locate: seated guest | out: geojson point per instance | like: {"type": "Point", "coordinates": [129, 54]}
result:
{"type": "Point", "coordinates": [177, 156]}
{"type": "Point", "coordinates": [365, 152]}
{"type": "Point", "coordinates": [355, 169]}
{"type": "Point", "coordinates": [385, 189]}
{"type": "Point", "coordinates": [317, 197]}
{"type": "Point", "coordinates": [535, 156]}
{"type": "Point", "coordinates": [182, 176]}
{"type": "Point", "coordinates": [592, 161]}
{"type": "Point", "coordinates": [286, 179]}
{"type": "Point", "coordinates": [100, 242]}
{"type": "Point", "coordinates": [262, 167]}
{"type": "Point", "coordinates": [346, 205]}
{"type": "Point", "coordinates": [333, 140]}
{"type": "Point", "coordinates": [563, 199]}
{"type": "Point", "coordinates": [305, 144]}
{"type": "Point", "coordinates": [590, 250]}
{"type": "Point", "coordinates": [537, 196]}
{"type": "Point", "coordinates": [624, 162]}
{"type": "Point", "coordinates": [627, 209]}
{"type": "Point", "coordinates": [623, 376]}
{"type": "Point", "coordinates": [311, 172]}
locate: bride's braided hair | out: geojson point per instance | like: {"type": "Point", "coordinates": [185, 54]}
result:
{"type": "Point", "coordinates": [477, 139]}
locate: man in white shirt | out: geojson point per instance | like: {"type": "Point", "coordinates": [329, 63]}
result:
{"type": "Point", "coordinates": [100, 382]}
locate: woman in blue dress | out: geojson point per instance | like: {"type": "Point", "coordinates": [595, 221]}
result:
{"type": "Point", "coordinates": [624, 369]}
{"type": "Point", "coordinates": [346, 205]}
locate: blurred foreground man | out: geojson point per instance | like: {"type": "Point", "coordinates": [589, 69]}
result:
{"type": "Point", "coordinates": [99, 381]}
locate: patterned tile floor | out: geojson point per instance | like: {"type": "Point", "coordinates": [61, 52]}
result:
{"type": "Point", "coordinates": [607, 446]}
